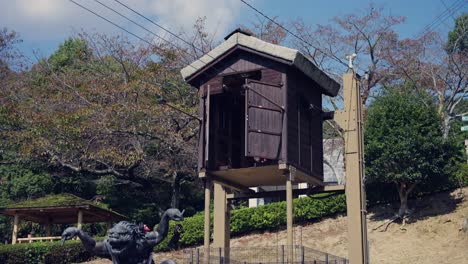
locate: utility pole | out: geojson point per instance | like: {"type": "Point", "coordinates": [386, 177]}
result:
{"type": "Point", "coordinates": [350, 120]}
{"type": "Point", "coordinates": [465, 128]}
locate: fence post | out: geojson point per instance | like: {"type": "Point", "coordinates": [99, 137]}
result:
{"type": "Point", "coordinates": [326, 258]}
{"type": "Point", "coordinates": [220, 256]}
{"type": "Point", "coordinates": [198, 256]}
{"type": "Point", "coordinates": [302, 254]}
{"type": "Point", "coordinates": [282, 254]}
{"type": "Point", "coordinates": [191, 256]}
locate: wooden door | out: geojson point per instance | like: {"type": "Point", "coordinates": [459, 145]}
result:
{"type": "Point", "coordinates": [263, 120]}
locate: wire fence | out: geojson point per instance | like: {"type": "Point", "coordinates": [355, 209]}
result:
{"type": "Point", "coordinates": [261, 255]}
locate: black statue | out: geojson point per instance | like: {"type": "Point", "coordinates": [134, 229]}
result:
{"type": "Point", "coordinates": [174, 242]}
{"type": "Point", "coordinates": [127, 243]}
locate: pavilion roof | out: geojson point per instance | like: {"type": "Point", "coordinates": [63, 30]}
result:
{"type": "Point", "coordinates": [60, 209]}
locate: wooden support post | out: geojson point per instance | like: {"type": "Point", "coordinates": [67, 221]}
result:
{"type": "Point", "coordinates": [206, 243]}
{"type": "Point", "coordinates": [350, 120]}
{"type": "Point", "coordinates": [48, 229]}
{"type": "Point", "coordinates": [289, 214]}
{"type": "Point", "coordinates": [221, 225]}
{"type": "Point", "coordinates": [80, 219]}
{"type": "Point", "coordinates": [14, 236]}
{"type": "Point", "coordinates": [109, 225]}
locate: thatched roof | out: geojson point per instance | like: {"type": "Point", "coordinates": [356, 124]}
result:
{"type": "Point", "coordinates": [60, 209]}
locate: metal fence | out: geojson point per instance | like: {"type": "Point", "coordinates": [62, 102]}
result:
{"type": "Point", "coordinates": [262, 255]}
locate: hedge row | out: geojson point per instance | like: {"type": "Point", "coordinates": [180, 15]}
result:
{"type": "Point", "coordinates": [44, 252]}
{"type": "Point", "coordinates": [268, 217]}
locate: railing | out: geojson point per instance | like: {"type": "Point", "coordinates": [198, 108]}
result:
{"type": "Point", "coordinates": [262, 255]}
{"type": "Point", "coordinates": [31, 239]}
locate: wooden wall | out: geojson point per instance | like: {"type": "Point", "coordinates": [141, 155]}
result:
{"type": "Point", "coordinates": [272, 72]}
{"type": "Point", "coordinates": [304, 140]}
{"type": "Point", "coordinates": [301, 142]}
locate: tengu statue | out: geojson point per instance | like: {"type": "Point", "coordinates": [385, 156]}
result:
{"type": "Point", "coordinates": [127, 243]}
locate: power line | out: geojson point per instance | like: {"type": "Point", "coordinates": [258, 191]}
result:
{"type": "Point", "coordinates": [159, 26]}
{"type": "Point", "coordinates": [147, 30]}
{"type": "Point", "coordinates": [122, 28]}
{"type": "Point", "coordinates": [292, 33]}
{"type": "Point", "coordinates": [172, 33]}
{"type": "Point", "coordinates": [440, 18]}
{"type": "Point", "coordinates": [156, 35]}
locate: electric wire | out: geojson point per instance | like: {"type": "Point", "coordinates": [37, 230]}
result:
{"type": "Point", "coordinates": [122, 28]}
{"type": "Point", "coordinates": [144, 28]}
{"type": "Point", "coordinates": [173, 34]}
{"type": "Point", "coordinates": [161, 27]}
{"type": "Point", "coordinates": [441, 18]}
{"type": "Point", "coordinates": [292, 33]}
{"type": "Point", "coordinates": [158, 36]}
{"type": "Point", "coordinates": [434, 23]}
{"type": "Point", "coordinates": [149, 31]}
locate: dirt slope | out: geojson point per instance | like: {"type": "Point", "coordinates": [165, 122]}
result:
{"type": "Point", "coordinates": [432, 236]}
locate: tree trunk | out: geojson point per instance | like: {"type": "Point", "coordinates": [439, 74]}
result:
{"type": "Point", "coordinates": [404, 189]}
{"type": "Point", "coordinates": [175, 190]}
{"type": "Point", "coordinates": [446, 126]}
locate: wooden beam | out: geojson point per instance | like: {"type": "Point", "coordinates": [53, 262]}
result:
{"type": "Point", "coordinates": [221, 219]}
{"type": "Point", "coordinates": [289, 216]}
{"type": "Point", "coordinates": [282, 193]}
{"type": "Point", "coordinates": [206, 238]}
{"type": "Point", "coordinates": [227, 183]}
{"type": "Point", "coordinates": [14, 236]}
{"type": "Point", "coordinates": [80, 219]}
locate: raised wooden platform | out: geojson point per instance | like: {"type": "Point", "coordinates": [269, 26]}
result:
{"type": "Point", "coordinates": [270, 175]}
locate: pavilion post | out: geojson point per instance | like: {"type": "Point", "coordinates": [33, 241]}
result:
{"type": "Point", "coordinates": [221, 220]}
{"type": "Point", "coordinates": [206, 255]}
{"type": "Point", "coordinates": [80, 219]}
{"type": "Point", "coordinates": [14, 236]}
{"type": "Point", "coordinates": [48, 229]}
{"type": "Point", "coordinates": [289, 214]}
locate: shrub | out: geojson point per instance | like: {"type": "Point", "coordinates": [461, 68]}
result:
{"type": "Point", "coordinates": [268, 217]}
{"type": "Point", "coordinates": [44, 252]}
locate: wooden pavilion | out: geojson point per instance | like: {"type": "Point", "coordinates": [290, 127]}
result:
{"type": "Point", "coordinates": [57, 209]}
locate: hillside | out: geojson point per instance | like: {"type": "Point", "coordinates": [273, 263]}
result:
{"type": "Point", "coordinates": [432, 236]}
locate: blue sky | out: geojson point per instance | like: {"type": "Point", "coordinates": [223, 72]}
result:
{"type": "Point", "coordinates": [44, 24]}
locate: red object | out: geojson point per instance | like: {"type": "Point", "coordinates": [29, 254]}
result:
{"type": "Point", "coordinates": [146, 228]}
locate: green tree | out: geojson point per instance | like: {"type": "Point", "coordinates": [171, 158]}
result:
{"type": "Point", "coordinates": [404, 143]}
{"type": "Point", "coordinates": [71, 53]}
{"type": "Point", "coordinates": [458, 38]}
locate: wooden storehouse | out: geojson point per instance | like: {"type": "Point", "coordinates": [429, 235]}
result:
{"type": "Point", "coordinates": [261, 112]}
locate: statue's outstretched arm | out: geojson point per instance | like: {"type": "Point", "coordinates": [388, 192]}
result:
{"type": "Point", "coordinates": [97, 248]}
{"type": "Point", "coordinates": [153, 238]}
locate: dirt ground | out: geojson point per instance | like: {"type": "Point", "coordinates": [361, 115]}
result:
{"type": "Point", "coordinates": [431, 236]}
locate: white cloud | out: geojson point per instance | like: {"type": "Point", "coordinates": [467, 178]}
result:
{"type": "Point", "coordinates": [40, 20]}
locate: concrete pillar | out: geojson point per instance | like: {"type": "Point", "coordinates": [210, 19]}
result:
{"type": "Point", "coordinates": [206, 242]}
{"type": "Point", "coordinates": [221, 225]}
{"type": "Point", "coordinates": [350, 120]}
{"type": "Point", "coordinates": [289, 216]}
{"type": "Point", "coordinates": [14, 236]}
{"type": "Point", "coordinates": [80, 219]}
